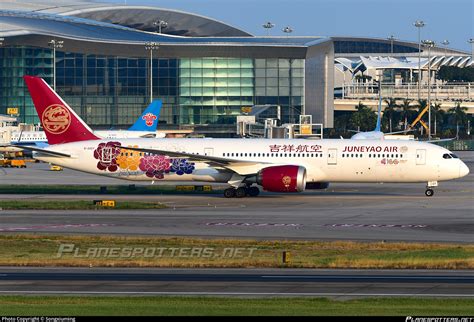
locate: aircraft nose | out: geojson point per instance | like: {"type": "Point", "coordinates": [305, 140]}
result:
{"type": "Point", "coordinates": [463, 170]}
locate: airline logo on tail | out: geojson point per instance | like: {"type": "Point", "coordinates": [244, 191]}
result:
{"type": "Point", "coordinates": [149, 119]}
{"type": "Point", "coordinates": [61, 124]}
{"type": "Point", "coordinates": [56, 119]}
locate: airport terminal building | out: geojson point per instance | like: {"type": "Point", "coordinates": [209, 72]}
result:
{"type": "Point", "coordinates": [203, 70]}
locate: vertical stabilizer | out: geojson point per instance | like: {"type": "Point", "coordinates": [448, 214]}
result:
{"type": "Point", "coordinates": [148, 121]}
{"type": "Point", "coordinates": [60, 123]}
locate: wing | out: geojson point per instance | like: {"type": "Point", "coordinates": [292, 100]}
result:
{"type": "Point", "coordinates": [238, 166]}
{"type": "Point", "coordinates": [439, 140]}
{"type": "Point", "coordinates": [44, 151]}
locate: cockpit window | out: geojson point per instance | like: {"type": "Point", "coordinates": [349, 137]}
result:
{"type": "Point", "coordinates": [454, 156]}
{"type": "Point", "coordinates": [446, 156]}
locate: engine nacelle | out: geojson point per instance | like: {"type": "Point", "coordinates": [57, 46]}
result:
{"type": "Point", "coordinates": [317, 185]}
{"type": "Point", "coordinates": [285, 178]}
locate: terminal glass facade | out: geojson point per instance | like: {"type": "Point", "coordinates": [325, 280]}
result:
{"type": "Point", "coordinates": [111, 92]}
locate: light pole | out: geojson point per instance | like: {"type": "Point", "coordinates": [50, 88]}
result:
{"type": "Point", "coordinates": [268, 26]}
{"type": "Point", "coordinates": [287, 30]}
{"type": "Point", "coordinates": [429, 44]}
{"type": "Point", "coordinates": [392, 38]}
{"type": "Point", "coordinates": [55, 44]}
{"type": "Point", "coordinates": [151, 46]}
{"type": "Point", "coordinates": [160, 24]}
{"type": "Point", "coordinates": [419, 24]}
{"type": "Point", "coordinates": [445, 43]}
{"type": "Point", "coordinates": [471, 41]}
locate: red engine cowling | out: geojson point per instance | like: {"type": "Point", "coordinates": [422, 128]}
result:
{"type": "Point", "coordinates": [285, 178]}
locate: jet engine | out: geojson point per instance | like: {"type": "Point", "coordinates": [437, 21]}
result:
{"type": "Point", "coordinates": [286, 178]}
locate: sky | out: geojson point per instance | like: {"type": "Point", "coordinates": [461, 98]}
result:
{"type": "Point", "coordinates": [445, 19]}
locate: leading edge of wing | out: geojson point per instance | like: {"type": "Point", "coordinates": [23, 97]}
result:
{"type": "Point", "coordinates": [196, 157]}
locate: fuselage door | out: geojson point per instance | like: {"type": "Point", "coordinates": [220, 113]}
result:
{"type": "Point", "coordinates": [107, 154]}
{"type": "Point", "coordinates": [209, 151]}
{"type": "Point", "coordinates": [332, 156]}
{"type": "Point", "coordinates": [420, 157]}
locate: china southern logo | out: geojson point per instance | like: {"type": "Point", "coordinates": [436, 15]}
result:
{"type": "Point", "coordinates": [149, 118]}
{"type": "Point", "coordinates": [56, 119]}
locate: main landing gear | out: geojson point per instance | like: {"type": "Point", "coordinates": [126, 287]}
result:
{"type": "Point", "coordinates": [430, 192]}
{"type": "Point", "coordinates": [241, 192]}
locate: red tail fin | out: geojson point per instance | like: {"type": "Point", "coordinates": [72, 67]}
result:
{"type": "Point", "coordinates": [60, 123]}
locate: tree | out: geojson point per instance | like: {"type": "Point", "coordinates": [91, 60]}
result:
{"type": "Point", "coordinates": [437, 112]}
{"type": "Point", "coordinates": [341, 121]}
{"type": "Point", "coordinates": [406, 110]}
{"type": "Point", "coordinates": [456, 74]}
{"type": "Point", "coordinates": [364, 119]}
{"type": "Point", "coordinates": [458, 115]}
{"type": "Point", "coordinates": [389, 111]}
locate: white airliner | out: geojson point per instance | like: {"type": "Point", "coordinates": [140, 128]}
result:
{"type": "Point", "coordinates": [276, 165]}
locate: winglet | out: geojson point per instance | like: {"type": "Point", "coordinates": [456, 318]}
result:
{"type": "Point", "coordinates": [148, 121]}
{"type": "Point", "coordinates": [60, 123]}
{"type": "Point", "coordinates": [379, 115]}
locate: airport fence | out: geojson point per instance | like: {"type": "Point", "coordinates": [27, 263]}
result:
{"type": "Point", "coordinates": [458, 145]}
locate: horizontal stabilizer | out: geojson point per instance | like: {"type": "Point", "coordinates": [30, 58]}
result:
{"type": "Point", "coordinates": [44, 151]}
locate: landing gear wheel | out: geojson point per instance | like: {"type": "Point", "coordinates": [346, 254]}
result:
{"type": "Point", "coordinates": [229, 193]}
{"type": "Point", "coordinates": [429, 192]}
{"type": "Point", "coordinates": [253, 191]}
{"type": "Point", "coordinates": [240, 192]}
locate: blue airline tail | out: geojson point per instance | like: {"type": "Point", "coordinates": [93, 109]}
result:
{"type": "Point", "coordinates": [148, 121]}
{"type": "Point", "coordinates": [379, 116]}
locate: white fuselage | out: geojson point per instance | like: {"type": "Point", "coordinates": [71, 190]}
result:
{"type": "Point", "coordinates": [28, 137]}
{"type": "Point", "coordinates": [325, 160]}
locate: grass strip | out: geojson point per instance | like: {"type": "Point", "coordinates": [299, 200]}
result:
{"type": "Point", "coordinates": [114, 251]}
{"type": "Point", "coordinates": [123, 306]}
{"type": "Point", "coordinates": [74, 205]}
{"type": "Point", "coordinates": [96, 189]}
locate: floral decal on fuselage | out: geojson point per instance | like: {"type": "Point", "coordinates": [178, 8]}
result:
{"type": "Point", "coordinates": [112, 157]}
{"type": "Point", "coordinates": [107, 154]}
{"type": "Point", "coordinates": [181, 166]}
{"type": "Point", "coordinates": [128, 159]}
{"type": "Point", "coordinates": [155, 165]}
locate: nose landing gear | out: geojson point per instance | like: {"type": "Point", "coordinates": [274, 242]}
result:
{"type": "Point", "coordinates": [430, 192]}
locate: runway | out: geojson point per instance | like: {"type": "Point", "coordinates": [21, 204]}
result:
{"type": "Point", "coordinates": [367, 212]}
{"type": "Point", "coordinates": [238, 282]}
